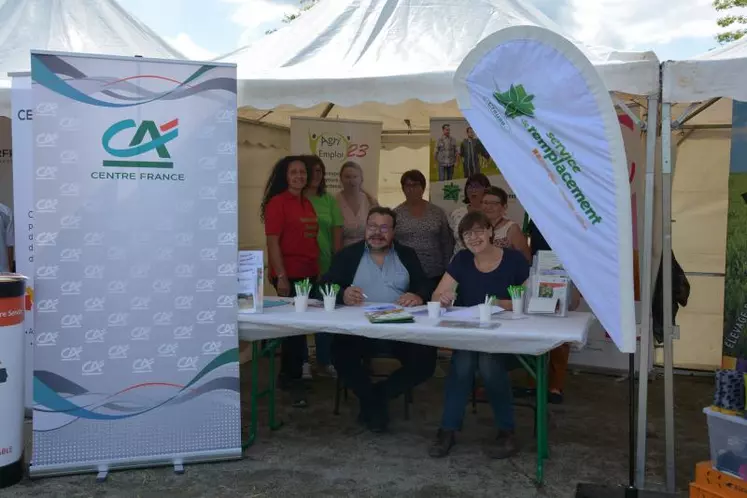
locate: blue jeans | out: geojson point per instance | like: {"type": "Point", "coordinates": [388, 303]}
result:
{"type": "Point", "coordinates": [323, 343]}
{"type": "Point", "coordinates": [492, 368]}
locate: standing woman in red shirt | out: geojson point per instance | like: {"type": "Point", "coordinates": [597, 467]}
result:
{"type": "Point", "coordinates": [291, 228]}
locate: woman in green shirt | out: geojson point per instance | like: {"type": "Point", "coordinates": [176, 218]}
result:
{"type": "Point", "coordinates": [329, 240]}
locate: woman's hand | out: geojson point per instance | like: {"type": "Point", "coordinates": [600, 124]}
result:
{"type": "Point", "coordinates": [283, 287]}
{"type": "Point", "coordinates": [409, 299]}
{"type": "Point", "coordinates": [447, 298]}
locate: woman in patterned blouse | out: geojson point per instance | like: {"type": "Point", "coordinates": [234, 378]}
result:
{"type": "Point", "coordinates": [506, 233]}
{"type": "Point", "coordinates": [424, 227]}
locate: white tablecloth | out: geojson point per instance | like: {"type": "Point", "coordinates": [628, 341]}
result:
{"type": "Point", "coordinates": [533, 335]}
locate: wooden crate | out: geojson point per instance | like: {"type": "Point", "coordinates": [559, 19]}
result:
{"type": "Point", "coordinates": [719, 484]}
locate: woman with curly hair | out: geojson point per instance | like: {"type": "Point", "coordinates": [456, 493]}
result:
{"type": "Point", "coordinates": [291, 228]}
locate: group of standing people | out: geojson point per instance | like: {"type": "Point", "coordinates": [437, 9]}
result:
{"type": "Point", "coordinates": [407, 255]}
{"type": "Point", "coordinates": [305, 226]}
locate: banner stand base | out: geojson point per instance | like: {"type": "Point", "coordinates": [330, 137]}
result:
{"type": "Point", "coordinates": [584, 490]}
{"type": "Point", "coordinates": [11, 474]}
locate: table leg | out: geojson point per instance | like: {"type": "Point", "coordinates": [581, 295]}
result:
{"type": "Point", "coordinates": [274, 424]}
{"type": "Point", "coordinates": [253, 395]}
{"type": "Point", "coordinates": [542, 436]}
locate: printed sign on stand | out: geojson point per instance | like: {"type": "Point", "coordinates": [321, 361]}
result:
{"type": "Point", "coordinates": [337, 142]}
{"type": "Point", "coordinates": [135, 196]}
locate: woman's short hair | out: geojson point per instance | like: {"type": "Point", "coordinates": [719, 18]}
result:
{"type": "Point", "coordinates": [499, 193]}
{"type": "Point", "coordinates": [471, 220]}
{"type": "Point", "coordinates": [413, 175]}
{"type": "Point", "coordinates": [478, 178]}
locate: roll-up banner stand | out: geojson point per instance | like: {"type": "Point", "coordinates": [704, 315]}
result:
{"type": "Point", "coordinates": [22, 117]}
{"type": "Point", "coordinates": [135, 197]}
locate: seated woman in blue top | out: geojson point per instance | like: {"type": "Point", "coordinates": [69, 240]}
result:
{"type": "Point", "coordinates": [481, 269]}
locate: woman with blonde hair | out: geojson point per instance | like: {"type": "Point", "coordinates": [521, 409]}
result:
{"type": "Point", "coordinates": [354, 203]}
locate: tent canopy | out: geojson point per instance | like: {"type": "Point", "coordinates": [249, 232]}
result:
{"type": "Point", "coordinates": [396, 57]}
{"type": "Point", "coordinates": [714, 74]}
{"type": "Point", "coordinates": [90, 26]}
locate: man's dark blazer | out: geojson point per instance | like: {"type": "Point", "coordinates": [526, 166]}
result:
{"type": "Point", "coordinates": [345, 265]}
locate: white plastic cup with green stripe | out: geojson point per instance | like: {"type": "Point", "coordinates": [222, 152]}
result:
{"type": "Point", "coordinates": [517, 299]}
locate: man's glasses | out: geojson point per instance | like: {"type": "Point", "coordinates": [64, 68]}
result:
{"type": "Point", "coordinates": [491, 203]}
{"type": "Point", "coordinates": [472, 234]}
{"type": "Point", "coordinates": [378, 228]}
{"type": "Point", "coordinates": [412, 185]}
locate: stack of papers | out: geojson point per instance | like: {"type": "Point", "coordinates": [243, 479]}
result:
{"type": "Point", "coordinates": [391, 314]}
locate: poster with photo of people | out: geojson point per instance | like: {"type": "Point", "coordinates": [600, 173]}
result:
{"type": "Point", "coordinates": [456, 153]}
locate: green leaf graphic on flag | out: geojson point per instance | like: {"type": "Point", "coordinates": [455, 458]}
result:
{"type": "Point", "coordinates": [451, 192]}
{"type": "Point", "coordinates": [516, 101]}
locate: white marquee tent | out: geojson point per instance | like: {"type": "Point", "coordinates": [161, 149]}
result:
{"type": "Point", "coordinates": [393, 60]}
{"type": "Point", "coordinates": [90, 26]}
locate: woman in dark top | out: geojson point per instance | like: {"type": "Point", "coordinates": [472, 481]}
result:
{"type": "Point", "coordinates": [481, 269]}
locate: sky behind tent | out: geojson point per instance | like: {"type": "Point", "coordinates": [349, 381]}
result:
{"type": "Point", "coordinates": [204, 29]}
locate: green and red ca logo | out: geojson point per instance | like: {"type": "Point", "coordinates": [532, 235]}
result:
{"type": "Point", "coordinates": [132, 155]}
{"type": "Point", "coordinates": [3, 374]}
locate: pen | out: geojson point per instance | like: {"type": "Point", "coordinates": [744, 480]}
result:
{"type": "Point", "coordinates": [364, 295]}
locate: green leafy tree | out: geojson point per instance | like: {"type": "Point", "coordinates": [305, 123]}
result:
{"type": "Point", "coordinates": [735, 22]}
{"type": "Point", "coordinates": [288, 18]}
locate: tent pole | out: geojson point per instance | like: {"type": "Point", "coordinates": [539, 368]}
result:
{"type": "Point", "coordinates": [666, 262]}
{"type": "Point", "coordinates": [645, 283]}
{"type": "Point", "coordinates": [585, 490]}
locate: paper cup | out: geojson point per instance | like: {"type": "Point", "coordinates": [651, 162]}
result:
{"type": "Point", "coordinates": [302, 303]}
{"type": "Point", "coordinates": [434, 309]}
{"type": "Point", "coordinates": [330, 302]}
{"type": "Point", "coordinates": [485, 312]}
{"type": "Point", "coordinates": [517, 303]}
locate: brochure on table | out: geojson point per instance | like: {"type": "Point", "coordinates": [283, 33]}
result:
{"type": "Point", "coordinates": [549, 286]}
{"type": "Point", "coordinates": [251, 281]}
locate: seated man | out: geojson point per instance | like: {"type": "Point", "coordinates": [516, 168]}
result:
{"type": "Point", "coordinates": [379, 270]}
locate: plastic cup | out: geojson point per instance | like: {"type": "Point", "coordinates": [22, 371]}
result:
{"type": "Point", "coordinates": [434, 309]}
{"type": "Point", "coordinates": [330, 302]}
{"type": "Point", "coordinates": [486, 312]}
{"type": "Point", "coordinates": [302, 303]}
{"type": "Point", "coordinates": [517, 303]}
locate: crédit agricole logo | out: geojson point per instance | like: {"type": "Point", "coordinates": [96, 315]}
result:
{"type": "Point", "coordinates": [143, 145]}
{"type": "Point", "coordinates": [550, 152]}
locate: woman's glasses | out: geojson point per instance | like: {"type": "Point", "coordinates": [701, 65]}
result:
{"type": "Point", "coordinates": [475, 233]}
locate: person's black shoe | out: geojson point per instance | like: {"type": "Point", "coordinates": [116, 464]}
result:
{"type": "Point", "coordinates": [362, 418]}
{"type": "Point", "coordinates": [298, 394]}
{"type": "Point", "coordinates": [378, 419]}
{"type": "Point", "coordinates": [524, 392]}
{"type": "Point", "coordinates": [442, 445]}
{"type": "Point", "coordinates": [504, 446]}
{"type": "Point", "coordinates": [555, 398]}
